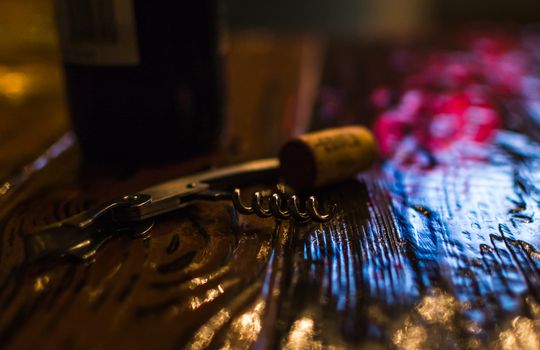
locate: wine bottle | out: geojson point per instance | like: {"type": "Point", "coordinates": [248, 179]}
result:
{"type": "Point", "coordinates": [143, 77]}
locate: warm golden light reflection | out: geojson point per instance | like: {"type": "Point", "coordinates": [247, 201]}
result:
{"type": "Point", "coordinates": [302, 335]}
{"type": "Point", "coordinates": [246, 328]}
{"type": "Point", "coordinates": [205, 334]}
{"type": "Point", "coordinates": [410, 337]}
{"type": "Point", "coordinates": [522, 334]}
{"type": "Point", "coordinates": [81, 245]}
{"type": "Point", "coordinates": [5, 188]}
{"type": "Point", "coordinates": [41, 283]}
{"type": "Point", "coordinates": [250, 324]}
{"type": "Point", "coordinates": [264, 252]}
{"type": "Point", "coordinates": [197, 282]}
{"type": "Point", "coordinates": [13, 85]}
{"type": "Point", "coordinates": [438, 307]}
{"type": "Point", "coordinates": [210, 295]}
{"type": "Point", "coordinates": [202, 280]}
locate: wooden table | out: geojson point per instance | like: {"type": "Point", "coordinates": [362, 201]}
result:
{"type": "Point", "coordinates": [439, 257]}
{"type": "Point", "coordinates": [414, 258]}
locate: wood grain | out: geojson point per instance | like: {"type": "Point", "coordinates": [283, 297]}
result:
{"type": "Point", "coordinates": [415, 258]}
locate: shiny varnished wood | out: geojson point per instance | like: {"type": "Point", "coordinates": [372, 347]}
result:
{"type": "Point", "coordinates": [416, 257]}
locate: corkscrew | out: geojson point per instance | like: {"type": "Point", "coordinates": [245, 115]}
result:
{"type": "Point", "coordinates": [80, 236]}
{"type": "Point", "coordinates": [282, 206]}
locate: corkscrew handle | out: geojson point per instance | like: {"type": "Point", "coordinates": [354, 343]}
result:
{"type": "Point", "coordinates": [212, 185]}
{"type": "Point", "coordinates": [80, 236]}
{"type": "Point", "coordinates": [178, 193]}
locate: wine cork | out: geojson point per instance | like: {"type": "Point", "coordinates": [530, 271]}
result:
{"type": "Point", "coordinates": [326, 157]}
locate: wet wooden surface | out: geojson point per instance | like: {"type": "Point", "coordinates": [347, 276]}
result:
{"type": "Point", "coordinates": [438, 257]}
{"type": "Point", "coordinates": [444, 257]}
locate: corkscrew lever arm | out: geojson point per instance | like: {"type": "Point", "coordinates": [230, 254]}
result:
{"type": "Point", "coordinates": [216, 185]}
{"type": "Point", "coordinates": [208, 185]}
{"type": "Point", "coordinates": [81, 235]}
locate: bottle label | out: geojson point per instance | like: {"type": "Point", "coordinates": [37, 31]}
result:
{"type": "Point", "coordinates": [98, 32]}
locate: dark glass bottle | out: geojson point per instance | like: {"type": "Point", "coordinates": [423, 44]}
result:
{"type": "Point", "coordinates": [143, 77]}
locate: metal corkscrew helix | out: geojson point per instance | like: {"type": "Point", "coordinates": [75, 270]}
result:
{"type": "Point", "coordinates": [282, 206]}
